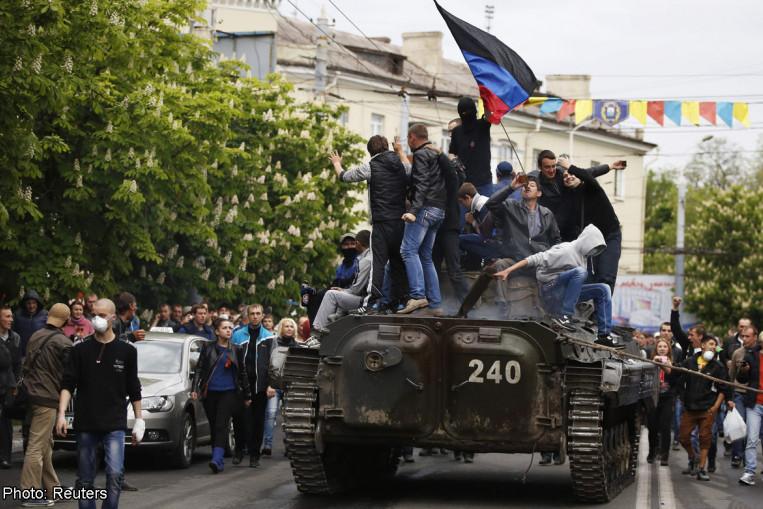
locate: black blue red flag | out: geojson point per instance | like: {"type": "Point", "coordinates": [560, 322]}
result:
{"type": "Point", "coordinates": [504, 79]}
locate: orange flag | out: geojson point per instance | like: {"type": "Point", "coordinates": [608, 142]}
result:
{"type": "Point", "coordinates": [707, 111]}
{"type": "Point", "coordinates": [567, 108]}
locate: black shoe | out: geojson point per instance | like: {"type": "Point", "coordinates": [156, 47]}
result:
{"type": "Point", "coordinates": [384, 309]}
{"type": "Point", "coordinates": [238, 457]}
{"type": "Point", "coordinates": [5, 464]}
{"type": "Point", "coordinates": [650, 457]}
{"type": "Point", "coordinates": [545, 460]}
{"type": "Point", "coordinates": [267, 451]}
{"type": "Point", "coordinates": [468, 457]}
{"type": "Point", "coordinates": [408, 457]}
{"type": "Point", "coordinates": [362, 310]}
{"type": "Point", "coordinates": [444, 452]}
{"type": "Point", "coordinates": [664, 460]}
{"type": "Point", "coordinates": [425, 452]}
{"type": "Point", "coordinates": [557, 459]}
{"type": "Point", "coordinates": [457, 455]}
{"type": "Point", "coordinates": [711, 465]}
{"type": "Point", "coordinates": [606, 340]}
{"type": "Point", "coordinates": [736, 461]}
{"type": "Point", "coordinates": [254, 461]}
{"type": "Point", "coordinates": [126, 486]}
{"type": "Point", "coordinates": [692, 468]}
{"type": "Point", "coordinates": [564, 322]}
{"type": "Point", "coordinates": [702, 475]}
{"type": "Point", "coordinates": [213, 466]}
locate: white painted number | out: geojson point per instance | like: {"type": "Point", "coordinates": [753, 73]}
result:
{"type": "Point", "coordinates": [512, 372]}
{"type": "Point", "coordinates": [476, 378]}
{"type": "Point", "coordinates": [494, 373]}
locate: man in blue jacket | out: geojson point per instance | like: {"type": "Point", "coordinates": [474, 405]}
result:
{"type": "Point", "coordinates": [29, 318]}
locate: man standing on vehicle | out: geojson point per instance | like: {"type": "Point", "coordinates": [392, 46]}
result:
{"type": "Point", "coordinates": [48, 354]}
{"type": "Point", "coordinates": [103, 369]}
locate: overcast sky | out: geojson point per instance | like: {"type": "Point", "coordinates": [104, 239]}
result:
{"type": "Point", "coordinates": [651, 50]}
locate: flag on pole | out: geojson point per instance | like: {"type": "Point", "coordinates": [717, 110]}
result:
{"type": "Point", "coordinates": [504, 79]}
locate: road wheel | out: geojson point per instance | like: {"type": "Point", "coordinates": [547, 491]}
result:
{"type": "Point", "coordinates": [183, 454]}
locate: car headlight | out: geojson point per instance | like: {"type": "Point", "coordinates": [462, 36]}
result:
{"type": "Point", "coordinates": [158, 403]}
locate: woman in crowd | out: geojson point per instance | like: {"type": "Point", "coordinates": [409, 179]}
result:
{"type": "Point", "coordinates": [660, 417]}
{"type": "Point", "coordinates": [221, 382]}
{"type": "Point", "coordinates": [285, 332]}
{"type": "Point", "coordinates": [303, 328]}
{"type": "Point", "coordinates": [269, 323]}
{"type": "Point", "coordinates": [78, 326]}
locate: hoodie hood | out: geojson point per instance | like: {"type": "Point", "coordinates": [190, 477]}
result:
{"type": "Point", "coordinates": [31, 295]}
{"type": "Point", "coordinates": [590, 242]}
{"type": "Point", "coordinates": [467, 112]}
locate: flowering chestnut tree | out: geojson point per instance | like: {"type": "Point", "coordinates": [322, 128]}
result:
{"type": "Point", "coordinates": [133, 160]}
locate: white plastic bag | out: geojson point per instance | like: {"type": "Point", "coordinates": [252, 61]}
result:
{"type": "Point", "coordinates": [734, 427]}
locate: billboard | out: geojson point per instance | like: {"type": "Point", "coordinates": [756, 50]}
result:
{"type": "Point", "coordinates": [645, 301]}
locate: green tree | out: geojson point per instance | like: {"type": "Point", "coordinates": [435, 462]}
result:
{"type": "Point", "coordinates": [660, 223]}
{"type": "Point", "coordinates": [723, 274]}
{"type": "Point", "coordinates": [718, 164]}
{"type": "Point", "coordinates": [132, 160]}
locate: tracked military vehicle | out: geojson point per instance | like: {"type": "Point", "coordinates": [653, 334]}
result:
{"type": "Point", "coordinates": [377, 383]}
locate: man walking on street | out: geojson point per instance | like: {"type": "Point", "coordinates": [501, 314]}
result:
{"type": "Point", "coordinates": [9, 340]}
{"type": "Point", "coordinates": [48, 354]}
{"type": "Point", "coordinates": [103, 369]}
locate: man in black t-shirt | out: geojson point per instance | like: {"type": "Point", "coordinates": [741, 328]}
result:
{"type": "Point", "coordinates": [103, 369]}
{"type": "Point", "coordinates": [470, 142]}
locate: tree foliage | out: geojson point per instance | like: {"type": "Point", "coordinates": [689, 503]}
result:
{"type": "Point", "coordinates": [723, 280]}
{"type": "Point", "coordinates": [660, 223]}
{"type": "Point", "coordinates": [717, 164]}
{"type": "Point", "coordinates": [133, 160]}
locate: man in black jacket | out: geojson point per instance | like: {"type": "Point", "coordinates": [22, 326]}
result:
{"type": "Point", "coordinates": [702, 398]}
{"type": "Point", "coordinates": [749, 373]}
{"type": "Point", "coordinates": [387, 186]}
{"type": "Point", "coordinates": [257, 357]}
{"type": "Point", "coordinates": [426, 214]}
{"type": "Point", "coordinates": [9, 341]}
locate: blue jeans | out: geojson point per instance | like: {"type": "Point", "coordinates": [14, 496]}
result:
{"type": "Point", "coordinates": [754, 416]}
{"type": "Point", "coordinates": [418, 239]}
{"type": "Point", "coordinates": [737, 448]}
{"type": "Point", "coordinates": [560, 295]}
{"type": "Point", "coordinates": [711, 453]}
{"type": "Point", "coordinates": [271, 413]}
{"type": "Point", "coordinates": [87, 464]}
{"type": "Point", "coordinates": [677, 418]}
{"type": "Point", "coordinates": [602, 296]}
{"type": "Point", "coordinates": [479, 245]}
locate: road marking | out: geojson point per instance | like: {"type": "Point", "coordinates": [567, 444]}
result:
{"type": "Point", "coordinates": [665, 488]}
{"type": "Point", "coordinates": [644, 474]}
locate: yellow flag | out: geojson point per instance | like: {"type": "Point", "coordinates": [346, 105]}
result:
{"type": "Point", "coordinates": [480, 108]}
{"type": "Point", "coordinates": [583, 110]}
{"type": "Point", "coordinates": [690, 111]}
{"type": "Point", "coordinates": [534, 101]}
{"type": "Point", "coordinates": [638, 110]}
{"type": "Point", "coordinates": [742, 113]}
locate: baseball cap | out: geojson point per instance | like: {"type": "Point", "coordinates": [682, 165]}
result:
{"type": "Point", "coordinates": [346, 236]}
{"type": "Point", "coordinates": [504, 168]}
{"type": "Point", "coordinates": [58, 315]}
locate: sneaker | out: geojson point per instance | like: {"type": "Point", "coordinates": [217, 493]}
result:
{"type": "Point", "coordinates": [564, 322]}
{"type": "Point", "coordinates": [676, 446]}
{"type": "Point", "coordinates": [413, 305]}
{"type": "Point", "coordinates": [408, 457]}
{"type": "Point", "coordinates": [457, 455]}
{"type": "Point", "coordinates": [664, 460]}
{"type": "Point", "coordinates": [126, 486]}
{"type": "Point", "coordinates": [362, 310]}
{"type": "Point", "coordinates": [5, 464]}
{"type": "Point", "coordinates": [545, 460]}
{"type": "Point", "coordinates": [468, 457]}
{"type": "Point", "coordinates": [43, 502]}
{"type": "Point", "coordinates": [425, 452]}
{"type": "Point", "coordinates": [711, 465]}
{"type": "Point", "coordinates": [702, 475]}
{"type": "Point", "coordinates": [606, 340]}
{"type": "Point", "coordinates": [254, 461]}
{"type": "Point", "coordinates": [557, 459]}
{"type": "Point", "coordinates": [748, 479]}
{"type": "Point", "coordinates": [238, 457]}
{"type": "Point", "coordinates": [267, 451]}
{"type": "Point", "coordinates": [726, 449]}
{"type": "Point", "coordinates": [736, 461]}
{"type": "Point", "coordinates": [693, 467]}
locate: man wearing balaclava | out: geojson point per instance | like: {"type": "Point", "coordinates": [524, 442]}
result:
{"type": "Point", "coordinates": [470, 142]}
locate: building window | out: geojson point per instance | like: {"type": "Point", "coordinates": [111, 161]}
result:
{"type": "Point", "coordinates": [343, 118]}
{"type": "Point", "coordinates": [620, 184]}
{"type": "Point", "coordinates": [377, 124]}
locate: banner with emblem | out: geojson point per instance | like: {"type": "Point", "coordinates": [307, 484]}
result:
{"type": "Point", "coordinates": [611, 112]}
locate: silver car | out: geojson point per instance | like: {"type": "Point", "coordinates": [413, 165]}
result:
{"type": "Point", "coordinates": [175, 424]}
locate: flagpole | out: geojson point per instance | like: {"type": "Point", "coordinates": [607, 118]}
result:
{"type": "Point", "coordinates": [522, 168]}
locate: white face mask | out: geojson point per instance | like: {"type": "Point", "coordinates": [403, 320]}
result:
{"type": "Point", "coordinates": [100, 325]}
{"type": "Point", "coordinates": [708, 356]}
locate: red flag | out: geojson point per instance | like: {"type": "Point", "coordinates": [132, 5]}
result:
{"type": "Point", "coordinates": [656, 110]}
{"type": "Point", "coordinates": [566, 110]}
{"type": "Point", "coordinates": [707, 111]}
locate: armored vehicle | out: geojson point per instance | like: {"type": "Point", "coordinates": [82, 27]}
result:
{"type": "Point", "coordinates": [377, 383]}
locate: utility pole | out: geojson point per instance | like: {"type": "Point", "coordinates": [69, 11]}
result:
{"type": "Point", "coordinates": [680, 224]}
{"type": "Point", "coordinates": [489, 11]}
{"type": "Point", "coordinates": [321, 54]}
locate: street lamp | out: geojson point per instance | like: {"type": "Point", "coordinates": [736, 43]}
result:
{"type": "Point", "coordinates": [572, 133]}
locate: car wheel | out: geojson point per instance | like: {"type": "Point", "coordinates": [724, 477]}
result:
{"type": "Point", "coordinates": [230, 445]}
{"type": "Point", "coordinates": [184, 452]}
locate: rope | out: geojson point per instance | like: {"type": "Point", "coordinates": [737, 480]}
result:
{"type": "Point", "coordinates": [615, 351]}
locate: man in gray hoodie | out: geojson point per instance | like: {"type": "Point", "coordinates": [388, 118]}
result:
{"type": "Point", "coordinates": [561, 273]}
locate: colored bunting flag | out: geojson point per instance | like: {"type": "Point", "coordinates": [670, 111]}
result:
{"type": "Point", "coordinates": [638, 110]}
{"type": "Point", "coordinates": [583, 110]}
{"type": "Point", "coordinates": [690, 110]}
{"type": "Point", "coordinates": [725, 111]}
{"type": "Point", "coordinates": [707, 111]}
{"type": "Point", "coordinates": [504, 79]}
{"type": "Point", "coordinates": [552, 105]}
{"type": "Point", "coordinates": [742, 114]}
{"type": "Point", "coordinates": [611, 112]}
{"type": "Point", "coordinates": [656, 110]}
{"type": "Point", "coordinates": [673, 111]}
{"type": "Point", "coordinates": [566, 110]}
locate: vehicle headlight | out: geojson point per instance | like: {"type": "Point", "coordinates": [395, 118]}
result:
{"type": "Point", "coordinates": [158, 403]}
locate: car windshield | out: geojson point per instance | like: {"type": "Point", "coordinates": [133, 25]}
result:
{"type": "Point", "coordinates": [159, 357]}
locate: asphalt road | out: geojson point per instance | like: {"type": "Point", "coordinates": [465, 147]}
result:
{"type": "Point", "coordinates": [493, 480]}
